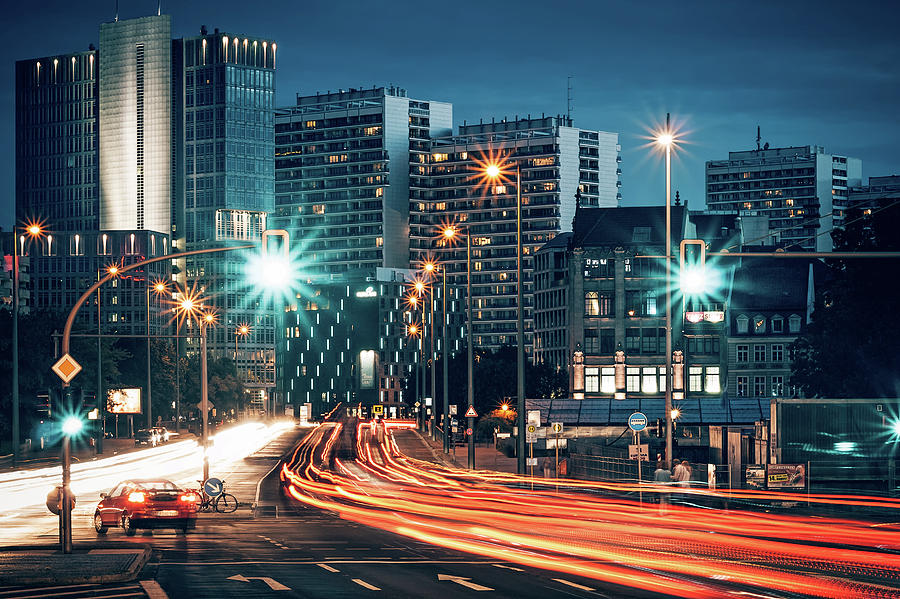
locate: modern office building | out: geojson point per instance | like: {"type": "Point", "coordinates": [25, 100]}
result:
{"type": "Point", "coordinates": [225, 189]}
{"type": "Point", "coordinates": [56, 141]}
{"type": "Point", "coordinates": [802, 190]}
{"type": "Point", "coordinates": [879, 192]}
{"type": "Point", "coordinates": [558, 162]}
{"type": "Point", "coordinates": [344, 177]}
{"type": "Point", "coordinates": [346, 339]}
{"type": "Point", "coordinates": [135, 129]}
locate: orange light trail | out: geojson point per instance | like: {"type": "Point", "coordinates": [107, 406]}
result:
{"type": "Point", "coordinates": [594, 529]}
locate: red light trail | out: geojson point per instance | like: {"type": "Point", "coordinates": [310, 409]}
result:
{"type": "Point", "coordinates": [595, 530]}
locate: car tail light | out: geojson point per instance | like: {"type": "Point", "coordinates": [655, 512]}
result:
{"type": "Point", "coordinates": [137, 497]}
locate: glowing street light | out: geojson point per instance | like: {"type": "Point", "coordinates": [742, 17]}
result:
{"type": "Point", "coordinates": [72, 425]}
{"type": "Point", "coordinates": [492, 170]}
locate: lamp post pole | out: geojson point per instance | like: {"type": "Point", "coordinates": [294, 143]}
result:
{"type": "Point", "coordinates": [149, 382]}
{"type": "Point", "coordinates": [445, 368]}
{"type": "Point", "coordinates": [520, 331]}
{"type": "Point", "coordinates": [470, 389]}
{"type": "Point", "coordinates": [668, 406]}
{"type": "Point", "coordinates": [15, 352]}
{"type": "Point", "coordinates": [204, 400]}
{"type": "Point", "coordinates": [432, 358]}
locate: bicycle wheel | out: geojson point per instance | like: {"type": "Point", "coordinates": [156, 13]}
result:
{"type": "Point", "coordinates": [226, 503]}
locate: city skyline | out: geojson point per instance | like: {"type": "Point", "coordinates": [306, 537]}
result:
{"type": "Point", "coordinates": [725, 72]}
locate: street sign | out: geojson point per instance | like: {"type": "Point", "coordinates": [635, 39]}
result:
{"type": "Point", "coordinates": [209, 405]}
{"type": "Point", "coordinates": [531, 428]}
{"type": "Point", "coordinates": [530, 437]}
{"type": "Point", "coordinates": [531, 461]}
{"type": "Point", "coordinates": [557, 427]}
{"type": "Point", "coordinates": [469, 432]}
{"type": "Point", "coordinates": [454, 429]}
{"type": "Point", "coordinates": [453, 409]}
{"type": "Point", "coordinates": [639, 452]}
{"type": "Point", "coordinates": [637, 422]}
{"type": "Point", "coordinates": [534, 417]}
{"type": "Point", "coordinates": [471, 413]}
{"type": "Point", "coordinates": [66, 368]}
{"type": "Point", "coordinates": [378, 410]}
{"type": "Point", "coordinates": [213, 487]}
{"type": "Point", "coordinates": [553, 443]}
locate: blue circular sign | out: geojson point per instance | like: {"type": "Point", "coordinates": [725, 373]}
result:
{"type": "Point", "coordinates": [213, 487]}
{"type": "Point", "coordinates": [637, 421]}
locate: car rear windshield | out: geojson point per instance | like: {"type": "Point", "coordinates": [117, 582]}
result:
{"type": "Point", "coordinates": [159, 485]}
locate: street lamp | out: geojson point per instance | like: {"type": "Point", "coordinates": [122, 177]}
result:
{"type": "Point", "coordinates": [33, 230]}
{"type": "Point", "coordinates": [666, 139]}
{"type": "Point", "coordinates": [415, 331]}
{"type": "Point", "coordinates": [71, 426]}
{"type": "Point", "coordinates": [494, 171]}
{"type": "Point", "coordinates": [430, 267]}
{"type": "Point", "coordinates": [159, 288]}
{"type": "Point", "coordinates": [451, 233]}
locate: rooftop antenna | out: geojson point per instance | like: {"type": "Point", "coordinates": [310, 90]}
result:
{"type": "Point", "coordinates": [570, 98]}
{"type": "Point", "coordinates": [758, 138]}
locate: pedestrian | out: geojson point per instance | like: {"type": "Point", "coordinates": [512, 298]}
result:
{"type": "Point", "coordinates": [663, 478]}
{"type": "Point", "coordinates": [684, 477]}
{"type": "Point", "coordinates": [545, 464]}
{"type": "Point", "coordinates": [677, 472]}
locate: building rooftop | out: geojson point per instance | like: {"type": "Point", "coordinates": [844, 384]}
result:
{"type": "Point", "coordinates": [772, 284]}
{"type": "Point", "coordinates": [626, 226]}
{"type": "Point", "coordinates": [610, 412]}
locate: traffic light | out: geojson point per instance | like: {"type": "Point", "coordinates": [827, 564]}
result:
{"type": "Point", "coordinates": [660, 428]}
{"type": "Point", "coordinates": [692, 266]}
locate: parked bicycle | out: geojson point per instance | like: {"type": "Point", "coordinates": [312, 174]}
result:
{"type": "Point", "coordinates": [224, 503]}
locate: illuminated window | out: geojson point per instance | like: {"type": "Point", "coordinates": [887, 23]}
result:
{"type": "Point", "coordinates": [742, 384]}
{"type": "Point", "coordinates": [592, 303]}
{"type": "Point", "coordinates": [439, 157]}
{"type": "Point", "coordinates": [789, 202]}
{"type": "Point", "coordinates": [543, 161]}
{"type": "Point", "coordinates": [648, 379]}
{"type": "Point", "coordinates": [591, 380]}
{"type": "Point", "coordinates": [759, 386]}
{"type": "Point", "coordinates": [440, 206]}
{"type": "Point", "coordinates": [777, 386]}
{"type": "Point", "coordinates": [608, 379]}
{"type": "Point", "coordinates": [318, 208]}
{"type": "Point", "coordinates": [759, 324]}
{"type": "Point", "coordinates": [632, 378]}
{"type": "Point", "coordinates": [379, 192]}
{"type": "Point", "coordinates": [499, 190]}
{"type": "Point", "coordinates": [463, 155]}
{"type": "Point", "coordinates": [379, 241]}
{"type": "Point", "coordinates": [712, 380]}
{"type": "Point", "coordinates": [549, 186]}
{"type": "Point", "coordinates": [695, 378]}
{"type": "Point", "coordinates": [372, 130]}
{"type": "Point", "coordinates": [310, 124]}
{"type": "Point", "coordinates": [337, 158]}
{"type": "Point", "coordinates": [747, 205]}
{"type": "Point", "coordinates": [477, 266]}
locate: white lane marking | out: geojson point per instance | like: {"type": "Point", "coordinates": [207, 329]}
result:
{"type": "Point", "coordinates": [153, 590]}
{"type": "Point", "coordinates": [327, 567]}
{"type": "Point", "coordinates": [365, 584]}
{"type": "Point", "coordinates": [43, 595]}
{"type": "Point", "coordinates": [574, 584]}
{"type": "Point", "coordinates": [273, 584]}
{"type": "Point", "coordinates": [466, 582]}
{"type": "Point", "coordinates": [508, 567]}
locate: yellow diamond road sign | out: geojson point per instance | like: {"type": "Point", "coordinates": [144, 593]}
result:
{"type": "Point", "coordinates": [66, 368]}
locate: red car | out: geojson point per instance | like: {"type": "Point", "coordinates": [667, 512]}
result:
{"type": "Point", "coordinates": [146, 503]}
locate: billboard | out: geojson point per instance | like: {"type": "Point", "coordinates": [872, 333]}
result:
{"type": "Point", "coordinates": [124, 401]}
{"type": "Point", "coordinates": [367, 369]}
{"type": "Point", "coordinates": [786, 476]}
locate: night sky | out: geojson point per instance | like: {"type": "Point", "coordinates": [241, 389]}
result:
{"type": "Point", "coordinates": [825, 73]}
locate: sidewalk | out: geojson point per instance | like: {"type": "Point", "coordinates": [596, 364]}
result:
{"type": "Point", "coordinates": [51, 456]}
{"type": "Point", "coordinates": [419, 446]}
{"type": "Point", "coordinates": [43, 565]}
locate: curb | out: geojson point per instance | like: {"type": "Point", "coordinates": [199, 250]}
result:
{"type": "Point", "coordinates": [143, 553]}
{"type": "Point", "coordinates": [438, 456]}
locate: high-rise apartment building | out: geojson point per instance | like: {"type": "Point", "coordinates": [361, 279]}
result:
{"type": "Point", "coordinates": [226, 184]}
{"type": "Point", "coordinates": [56, 141]}
{"type": "Point", "coordinates": [802, 190]}
{"type": "Point", "coordinates": [135, 110]}
{"type": "Point", "coordinates": [344, 176]}
{"type": "Point", "coordinates": [558, 162]}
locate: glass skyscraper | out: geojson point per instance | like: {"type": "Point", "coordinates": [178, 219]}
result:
{"type": "Point", "coordinates": [226, 184]}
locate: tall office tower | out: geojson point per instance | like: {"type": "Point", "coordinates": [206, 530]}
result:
{"type": "Point", "coordinates": [557, 162]}
{"type": "Point", "coordinates": [56, 141]}
{"type": "Point", "coordinates": [135, 108]}
{"type": "Point", "coordinates": [343, 174]}
{"type": "Point", "coordinates": [802, 190]}
{"type": "Point", "coordinates": [227, 119]}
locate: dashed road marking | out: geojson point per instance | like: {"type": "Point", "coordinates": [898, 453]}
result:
{"type": "Point", "coordinates": [574, 584]}
{"type": "Point", "coordinates": [365, 584]}
{"type": "Point", "coordinates": [327, 567]}
{"type": "Point", "coordinates": [153, 590]}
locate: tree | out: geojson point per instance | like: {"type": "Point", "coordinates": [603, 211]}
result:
{"type": "Point", "coordinates": [852, 346]}
{"type": "Point", "coordinates": [225, 389]}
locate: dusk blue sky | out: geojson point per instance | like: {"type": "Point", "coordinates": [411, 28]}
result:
{"type": "Point", "coordinates": [825, 73]}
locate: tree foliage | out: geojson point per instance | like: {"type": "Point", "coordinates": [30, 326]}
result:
{"type": "Point", "coordinates": [852, 346]}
